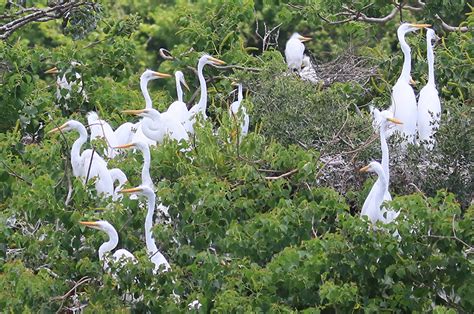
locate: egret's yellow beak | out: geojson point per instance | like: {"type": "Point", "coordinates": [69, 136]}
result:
{"type": "Point", "coordinates": [135, 112]}
{"type": "Point", "coordinates": [303, 38]}
{"type": "Point", "coordinates": [53, 70]}
{"type": "Point", "coordinates": [91, 224]}
{"type": "Point", "coordinates": [161, 75]}
{"type": "Point", "coordinates": [364, 169]}
{"type": "Point", "coordinates": [132, 190]}
{"type": "Point", "coordinates": [125, 145]}
{"type": "Point", "coordinates": [216, 61]}
{"type": "Point", "coordinates": [185, 85]}
{"type": "Point", "coordinates": [58, 128]}
{"type": "Point", "coordinates": [393, 120]}
{"type": "Point", "coordinates": [420, 25]}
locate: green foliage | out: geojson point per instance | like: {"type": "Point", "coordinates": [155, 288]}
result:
{"type": "Point", "coordinates": [261, 224]}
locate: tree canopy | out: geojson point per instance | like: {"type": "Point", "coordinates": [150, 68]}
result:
{"type": "Point", "coordinates": [270, 222]}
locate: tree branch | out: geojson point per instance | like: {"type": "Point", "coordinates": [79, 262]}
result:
{"type": "Point", "coordinates": [18, 20]}
{"type": "Point", "coordinates": [449, 28]}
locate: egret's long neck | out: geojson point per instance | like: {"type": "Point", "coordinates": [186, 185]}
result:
{"type": "Point", "coordinates": [146, 95]}
{"type": "Point", "coordinates": [150, 242]}
{"type": "Point", "coordinates": [179, 90]}
{"type": "Point", "coordinates": [240, 95]}
{"type": "Point", "coordinates": [384, 183]}
{"type": "Point", "coordinates": [385, 153]}
{"type": "Point", "coordinates": [203, 99]}
{"type": "Point", "coordinates": [76, 147]}
{"type": "Point", "coordinates": [430, 57]}
{"type": "Point", "coordinates": [108, 246]}
{"type": "Point", "coordinates": [406, 57]}
{"type": "Point", "coordinates": [146, 178]}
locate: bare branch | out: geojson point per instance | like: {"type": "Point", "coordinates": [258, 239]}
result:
{"type": "Point", "coordinates": [449, 28]}
{"type": "Point", "coordinates": [284, 175]}
{"type": "Point", "coordinates": [18, 19]}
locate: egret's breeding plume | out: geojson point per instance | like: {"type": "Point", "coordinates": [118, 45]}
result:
{"type": "Point", "coordinates": [429, 105]}
{"type": "Point", "coordinates": [178, 109]}
{"type": "Point", "coordinates": [156, 127]}
{"type": "Point", "coordinates": [234, 111]}
{"type": "Point", "coordinates": [201, 106]}
{"type": "Point", "coordinates": [403, 97]}
{"type": "Point", "coordinates": [294, 51]}
{"type": "Point", "coordinates": [87, 164]}
{"type": "Point", "coordinates": [372, 207]}
{"type": "Point", "coordinates": [155, 255]}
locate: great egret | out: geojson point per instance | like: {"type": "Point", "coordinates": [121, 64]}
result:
{"type": "Point", "coordinates": [234, 110]}
{"type": "Point", "coordinates": [89, 163]}
{"type": "Point", "coordinates": [121, 255]}
{"type": "Point", "coordinates": [118, 175]}
{"type": "Point", "coordinates": [201, 106]}
{"type": "Point", "coordinates": [146, 178]}
{"type": "Point", "coordinates": [156, 127]}
{"type": "Point", "coordinates": [155, 255]}
{"type": "Point", "coordinates": [373, 202]}
{"type": "Point", "coordinates": [66, 80]}
{"type": "Point", "coordinates": [429, 106]}
{"type": "Point", "coordinates": [308, 72]}
{"type": "Point", "coordinates": [294, 51]}
{"type": "Point", "coordinates": [403, 97]}
{"type": "Point", "coordinates": [146, 77]}
{"type": "Point", "coordinates": [178, 109]}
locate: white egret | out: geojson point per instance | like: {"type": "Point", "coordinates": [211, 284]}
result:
{"type": "Point", "coordinates": [234, 110]}
{"type": "Point", "coordinates": [201, 106]}
{"type": "Point", "coordinates": [403, 97]}
{"type": "Point", "coordinates": [146, 77]}
{"type": "Point", "coordinates": [373, 203]}
{"type": "Point", "coordinates": [429, 105]}
{"type": "Point", "coordinates": [294, 51]}
{"type": "Point", "coordinates": [118, 175]}
{"type": "Point", "coordinates": [67, 80]}
{"type": "Point", "coordinates": [87, 164]}
{"type": "Point", "coordinates": [308, 72]}
{"type": "Point", "coordinates": [146, 178]}
{"type": "Point", "coordinates": [101, 129]}
{"type": "Point", "coordinates": [121, 255]}
{"type": "Point", "coordinates": [156, 127]}
{"type": "Point", "coordinates": [178, 109]}
{"type": "Point", "coordinates": [155, 255]}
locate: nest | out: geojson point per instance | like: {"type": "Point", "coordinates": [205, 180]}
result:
{"type": "Point", "coordinates": [345, 68]}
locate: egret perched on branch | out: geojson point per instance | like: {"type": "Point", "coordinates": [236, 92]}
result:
{"type": "Point", "coordinates": [429, 106]}
{"type": "Point", "coordinates": [384, 120]}
{"type": "Point", "coordinates": [146, 178]}
{"type": "Point", "coordinates": [156, 127]}
{"type": "Point", "coordinates": [373, 203]}
{"type": "Point", "coordinates": [89, 164]}
{"type": "Point", "coordinates": [67, 80]}
{"type": "Point", "coordinates": [121, 255]}
{"type": "Point", "coordinates": [201, 106]}
{"type": "Point", "coordinates": [178, 109]}
{"type": "Point", "coordinates": [294, 51]}
{"type": "Point", "coordinates": [403, 97]}
{"type": "Point", "coordinates": [146, 77]}
{"type": "Point", "coordinates": [155, 255]}
{"type": "Point", "coordinates": [234, 111]}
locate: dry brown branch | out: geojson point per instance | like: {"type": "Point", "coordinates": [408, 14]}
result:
{"type": "Point", "coordinates": [15, 20]}
{"type": "Point", "coordinates": [14, 174]}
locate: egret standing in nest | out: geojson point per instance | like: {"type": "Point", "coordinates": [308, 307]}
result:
{"type": "Point", "coordinates": [294, 51]}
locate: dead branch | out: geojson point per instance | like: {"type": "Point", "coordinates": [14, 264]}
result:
{"type": "Point", "coordinates": [14, 174]}
{"type": "Point", "coordinates": [284, 175]}
{"type": "Point", "coordinates": [24, 16]}
{"type": "Point", "coordinates": [449, 28]}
